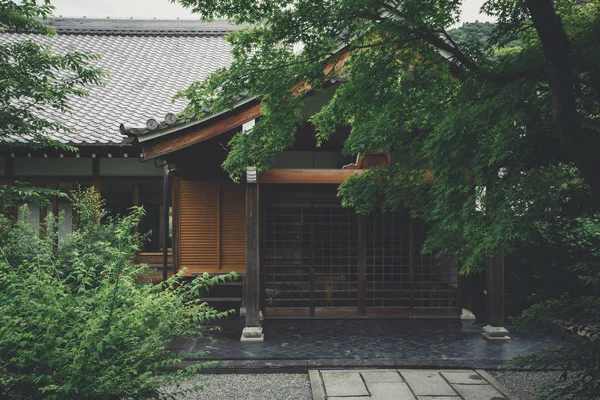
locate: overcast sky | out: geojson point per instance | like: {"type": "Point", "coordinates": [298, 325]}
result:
{"type": "Point", "coordinates": [163, 9]}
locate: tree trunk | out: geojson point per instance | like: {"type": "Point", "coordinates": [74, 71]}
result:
{"type": "Point", "coordinates": [582, 146]}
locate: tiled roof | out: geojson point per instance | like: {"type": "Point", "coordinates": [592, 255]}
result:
{"type": "Point", "coordinates": [148, 62]}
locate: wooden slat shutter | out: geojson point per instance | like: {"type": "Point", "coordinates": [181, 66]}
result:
{"type": "Point", "coordinates": [233, 227]}
{"type": "Point", "coordinates": [212, 230]}
{"type": "Point", "coordinates": [198, 226]}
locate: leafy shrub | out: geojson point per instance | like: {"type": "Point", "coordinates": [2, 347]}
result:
{"type": "Point", "coordinates": [576, 311]}
{"type": "Point", "coordinates": [76, 323]}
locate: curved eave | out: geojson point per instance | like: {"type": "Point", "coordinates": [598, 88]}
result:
{"type": "Point", "coordinates": [180, 127]}
{"type": "Point", "coordinates": [157, 144]}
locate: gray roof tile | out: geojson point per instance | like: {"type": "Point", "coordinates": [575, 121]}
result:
{"type": "Point", "coordinates": [148, 62]}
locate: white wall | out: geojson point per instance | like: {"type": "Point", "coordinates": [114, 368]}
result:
{"type": "Point", "coordinates": [66, 226]}
{"type": "Point", "coordinates": [33, 218]}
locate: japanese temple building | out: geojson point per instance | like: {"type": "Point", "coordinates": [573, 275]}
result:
{"type": "Point", "coordinates": [300, 254]}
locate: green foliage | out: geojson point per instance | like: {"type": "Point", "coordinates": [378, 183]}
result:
{"type": "Point", "coordinates": [471, 113]}
{"type": "Point", "coordinates": [492, 129]}
{"type": "Point", "coordinates": [34, 79]}
{"type": "Point", "coordinates": [574, 244]}
{"type": "Point", "coordinates": [76, 321]}
{"type": "Point", "coordinates": [96, 235]}
{"type": "Point", "coordinates": [471, 33]}
{"type": "Point", "coordinates": [23, 192]}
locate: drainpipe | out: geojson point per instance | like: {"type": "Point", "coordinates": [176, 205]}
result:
{"type": "Point", "coordinates": [165, 223]}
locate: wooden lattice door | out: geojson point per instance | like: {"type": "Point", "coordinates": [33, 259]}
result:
{"type": "Point", "coordinates": [310, 260]}
{"type": "Point", "coordinates": [322, 260]}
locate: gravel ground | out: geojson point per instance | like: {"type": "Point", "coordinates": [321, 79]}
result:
{"type": "Point", "coordinates": [252, 387]}
{"type": "Point", "coordinates": [526, 385]}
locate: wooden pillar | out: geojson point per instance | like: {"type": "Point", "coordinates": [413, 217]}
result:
{"type": "Point", "coordinates": [54, 185]}
{"type": "Point", "coordinates": [411, 262]}
{"type": "Point", "coordinates": [253, 330]}
{"type": "Point", "coordinates": [96, 175]}
{"type": "Point", "coordinates": [495, 298]}
{"type": "Point", "coordinates": [165, 224]}
{"type": "Point", "coordinates": [465, 290]}
{"type": "Point", "coordinates": [136, 202]}
{"type": "Point", "coordinates": [9, 174]}
{"type": "Point", "coordinates": [362, 265]}
{"type": "Point", "coordinates": [495, 289]}
{"type": "Point", "coordinates": [465, 297]}
{"type": "Point", "coordinates": [9, 167]}
{"type": "Point", "coordinates": [175, 222]}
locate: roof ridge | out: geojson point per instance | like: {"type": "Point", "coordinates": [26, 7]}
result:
{"type": "Point", "coordinates": [140, 27]}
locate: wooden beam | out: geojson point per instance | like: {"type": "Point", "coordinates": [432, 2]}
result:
{"type": "Point", "coordinates": [319, 176]}
{"type": "Point", "coordinates": [210, 129]}
{"type": "Point", "coordinates": [495, 289]}
{"type": "Point", "coordinates": [252, 256]}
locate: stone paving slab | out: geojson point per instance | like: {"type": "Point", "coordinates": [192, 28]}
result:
{"type": "Point", "coordinates": [478, 392]}
{"type": "Point", "coordinates": [390, 391]}
{"type": "Point", "coordinates": [467, 378]}
{"type": "Point", "coordinates": [343, 383]}
{"type": "Point", "coordinates": [381, 376]}
{"type": "Point", "coordinates": [438, 398]}
{"type": "Point", "coordinates": [399, 384]}
{"type": "Point", "coordinates": [427, 383]}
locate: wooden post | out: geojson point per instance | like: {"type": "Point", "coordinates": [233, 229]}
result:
{"type": "Point", "coordinates": [9, 173]}
{"type": "Point", "coordinates": [253, 330]}
{"type": "Point", "coordinates": [135, 201]}
{"type": "Point", "coordinates": [175, 222]}
{"type": "Point", "coordinates": [465, 297]}
{"type": "Point", "coordinates": [362, 265]}
{"type": "Point", "coordinates": [165, 224]}
{"type": "Point", "coordinates": [54, 185]}
{"type": "Point", "coordinates": [495, 289]}
{"type": "Point", "coordinates": [411, 262]}
{"type": "Point", "coordinates": [96, 175]}
{"type": "Point", "coordinates": [495, 298]}
{"type": "Point", "coordinates": [465, 290]}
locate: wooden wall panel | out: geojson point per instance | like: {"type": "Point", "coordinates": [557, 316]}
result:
{"type": "Point", "coordinates": [233, 227]}
{"type": "Point", "coordinates": [211, 226]}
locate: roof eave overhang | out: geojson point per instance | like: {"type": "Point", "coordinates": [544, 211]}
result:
{"type": "Point", "coordinates": [160, 143]}
{"type": "Point", "coordinates": [181, 127]}
{"type": "Point", "coordinates": [179, 137]}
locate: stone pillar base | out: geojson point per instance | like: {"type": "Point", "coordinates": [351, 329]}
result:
{"type": "Point", "coordinates": [495, 333]}
{"type": "Point", "coordinates": [252, 334]}
{"type": "Point", "coordinates": [467, 318]}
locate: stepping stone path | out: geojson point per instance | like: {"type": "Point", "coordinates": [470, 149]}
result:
{"type": "Point", "coordinates": [404, 384]}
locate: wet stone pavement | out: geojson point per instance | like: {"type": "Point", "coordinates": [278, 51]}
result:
{"type": "Point", "coordinates": [415, 343]}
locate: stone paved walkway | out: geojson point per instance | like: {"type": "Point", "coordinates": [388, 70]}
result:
{"type": "Point", "coordinates": [401, 384]}
{"type": "Point", "coordinates": [362, 343]}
